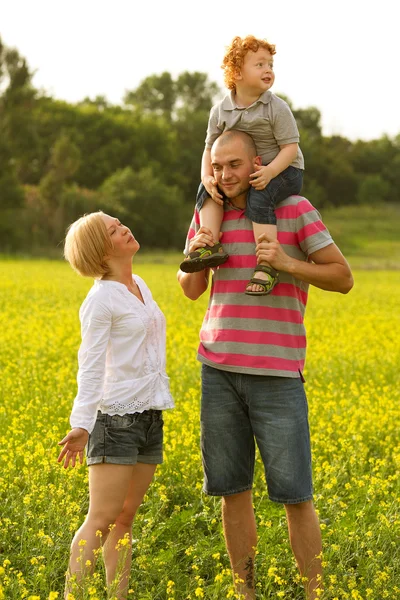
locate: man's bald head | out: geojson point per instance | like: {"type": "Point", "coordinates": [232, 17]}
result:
{"type": "Point", "coordinates": [233, 159]}
{"type": "Point", "coordinates": [232, 137]}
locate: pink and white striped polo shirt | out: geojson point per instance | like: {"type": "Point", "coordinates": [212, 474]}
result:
{"type": "Point", "coordinates": [261, 335]}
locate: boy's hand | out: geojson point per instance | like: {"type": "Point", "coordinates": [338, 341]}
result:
{"type": "Point", "coordinates": [211, 186]}
{"type": "Point", "coordinates": [261, 178]}
{"type": "Point", "coordinates": [74, 443]}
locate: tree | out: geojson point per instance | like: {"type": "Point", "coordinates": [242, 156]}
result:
{"type": "Point", "coordinates": [155, 211]}
{"type": "Point", "coordinates": [156, 94]}
{"type": "Point", "coordinates": [16, 103]}
{"type": "Point", "coordinates": [373, 189]}
{"type": "Point", "coordinates": [64, 163]}
{"type": "Point", "coordinates": [162, 96]}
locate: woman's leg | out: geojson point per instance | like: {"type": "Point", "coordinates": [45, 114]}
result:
{"type": "Point", "coordinates": [141, 477]}
{"type": "Point", "coordinates": [108, 488]}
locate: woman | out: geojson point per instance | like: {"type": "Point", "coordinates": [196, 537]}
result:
{"type": "Point", "coordinates": [122, 390]}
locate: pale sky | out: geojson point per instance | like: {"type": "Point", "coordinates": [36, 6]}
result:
{"type": "Point", "coordinates": [340, 56]}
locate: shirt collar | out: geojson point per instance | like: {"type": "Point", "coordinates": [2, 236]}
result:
{"type": "Point", "coordinates": [229, 102]}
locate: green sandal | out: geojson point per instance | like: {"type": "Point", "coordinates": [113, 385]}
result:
{"type": "Point", "coordinates": [209, 256]}
{"type": "Point", "coordinates": [267, 284]}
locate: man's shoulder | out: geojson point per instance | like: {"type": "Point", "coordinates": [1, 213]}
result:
{"type": "Point", "coordinates": [293, 207]}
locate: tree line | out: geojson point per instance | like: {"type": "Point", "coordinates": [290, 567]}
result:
{"type": "Point", "coordinates": [141, 160]}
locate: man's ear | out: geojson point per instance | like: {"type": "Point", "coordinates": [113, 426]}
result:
{"type": "Point", "coordinates": [258, 161]}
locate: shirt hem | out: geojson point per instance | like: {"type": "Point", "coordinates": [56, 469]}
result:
{"type": "Point", "coordinates": [249, 370]}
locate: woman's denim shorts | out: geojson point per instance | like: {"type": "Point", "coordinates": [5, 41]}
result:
{"type": "Point", "coordinates": [127, 439]}
{"type": "Point", "coordinates": [239, 410]}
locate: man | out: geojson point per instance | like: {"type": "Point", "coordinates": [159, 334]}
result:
{"type": "Point", "coordinates": [253, 352]}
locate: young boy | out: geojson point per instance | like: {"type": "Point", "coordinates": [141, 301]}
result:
{"type": "Point", "coordinates": [250, 107]}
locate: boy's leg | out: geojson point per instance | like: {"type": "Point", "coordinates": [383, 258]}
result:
{"type": "Point", "coordinates": [261, 210]}
{"type": "Point", "coordinates": [211, 215]}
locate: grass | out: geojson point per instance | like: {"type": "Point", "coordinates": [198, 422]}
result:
{"type": "Point", "coordinates": [179, 553]}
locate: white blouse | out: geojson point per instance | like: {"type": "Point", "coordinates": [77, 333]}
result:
{"type": "Point", "coordinates": [122, 355]}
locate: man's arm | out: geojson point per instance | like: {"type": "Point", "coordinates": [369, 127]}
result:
{"type": "Point", "coordinates": [329, 270]}
{"type": "Point", "coordinates": [195, 284]}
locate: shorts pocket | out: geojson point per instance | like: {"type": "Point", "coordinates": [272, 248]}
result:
{"type": "Point", "coordinates": [121, 421]}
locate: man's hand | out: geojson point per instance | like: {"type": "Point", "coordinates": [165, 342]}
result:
{"type": "Point", "coordinates": [261, 177]}
{"type": "Point", "coordinates": [202, 238]}
{"type": "Point", "coordinates": [211, 186]}
{"type": "Point", "coordinates": [273, 254]}
{"type": "Point", "coordinates": [74, 444]}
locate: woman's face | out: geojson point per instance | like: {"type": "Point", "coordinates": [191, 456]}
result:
{"type": "Point", "coordinates": [123, 241]}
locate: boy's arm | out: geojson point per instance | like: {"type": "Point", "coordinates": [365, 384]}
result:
{"type": "Point", "coordinates": [282, 160]}
{"type": "Point", "coordinates": [207, 177]}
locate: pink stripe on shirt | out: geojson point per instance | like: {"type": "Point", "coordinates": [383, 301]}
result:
{"type": "Point", "coordinates": [252, 362]}
{"type": "Point", "coordinates": [226, 311]}
{"type": "Point", "coordinates": [242, 336]}
{"type": "Point", "coordinates": [283, 211]}
{"type": "Point", "coordinates": [238, 286]}
{"type": "Point", "coordinates": [310, 229]}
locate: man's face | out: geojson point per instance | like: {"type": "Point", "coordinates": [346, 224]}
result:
{"type": "Point", "coordinates": [232, 165]}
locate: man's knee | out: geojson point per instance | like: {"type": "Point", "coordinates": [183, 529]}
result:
{"type": "Point", "coordinates": [300, 509]}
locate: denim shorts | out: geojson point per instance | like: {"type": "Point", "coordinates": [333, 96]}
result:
{"type": "Point", "coordinates": [261, 203]}
{"type": "Point", "coordinates": [239, 410]}
{"type": "Point", "coordinates": [127, 439]}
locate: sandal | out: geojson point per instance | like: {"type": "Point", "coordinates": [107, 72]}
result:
{"type": "Point", "coordinates": [267, 284]}
{"type": "Point", "coordinates": [209, 256]}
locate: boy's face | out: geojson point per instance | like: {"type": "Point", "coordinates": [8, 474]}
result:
{"type": "Point", "coordinates": [257, 72]}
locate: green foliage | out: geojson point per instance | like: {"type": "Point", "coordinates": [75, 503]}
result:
{"type": "Point", "coordinates": [150, 148]}
{"type": "Point", "coordinates": [373, 189]}
{"type": "Point", "coordinates": [154, 210]}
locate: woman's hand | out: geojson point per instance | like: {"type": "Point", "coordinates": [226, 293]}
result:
{"type": "Point", "coordinates": [74, 444]}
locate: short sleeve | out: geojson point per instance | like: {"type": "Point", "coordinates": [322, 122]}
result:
{"type": "Point", "coordinates": [284, 124]}
{"type": "Point", "coordinates": [213, 131]}
{"type": "Point", "coordinates": [312, 235]}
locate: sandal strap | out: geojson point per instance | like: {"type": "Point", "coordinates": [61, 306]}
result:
{"type": "Point", "coordinates": [209, 249]}
{"type": "Point", "coordinates": [266, 269]}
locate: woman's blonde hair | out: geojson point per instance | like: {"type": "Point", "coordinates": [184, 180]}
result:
{"type": "Point", "coordinates": [235, 53]}
{"type": "Point", "coordinates": [87, 244]}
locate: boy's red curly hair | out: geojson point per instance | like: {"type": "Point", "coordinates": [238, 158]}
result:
{"type": "Point", "coordinates": [235, 53]}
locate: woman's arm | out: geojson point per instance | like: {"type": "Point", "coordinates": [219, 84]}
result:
{"type": "Point", "coordinates": [96, 319]}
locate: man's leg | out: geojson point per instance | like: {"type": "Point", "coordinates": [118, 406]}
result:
{"type": "Point", "coordinates": [305, 540]}
{"type": "Point", "coordinates": [241, 539]}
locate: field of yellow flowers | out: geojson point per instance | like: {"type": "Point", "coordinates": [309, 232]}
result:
{"type": "Point", "coordinates": [352, 374]}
